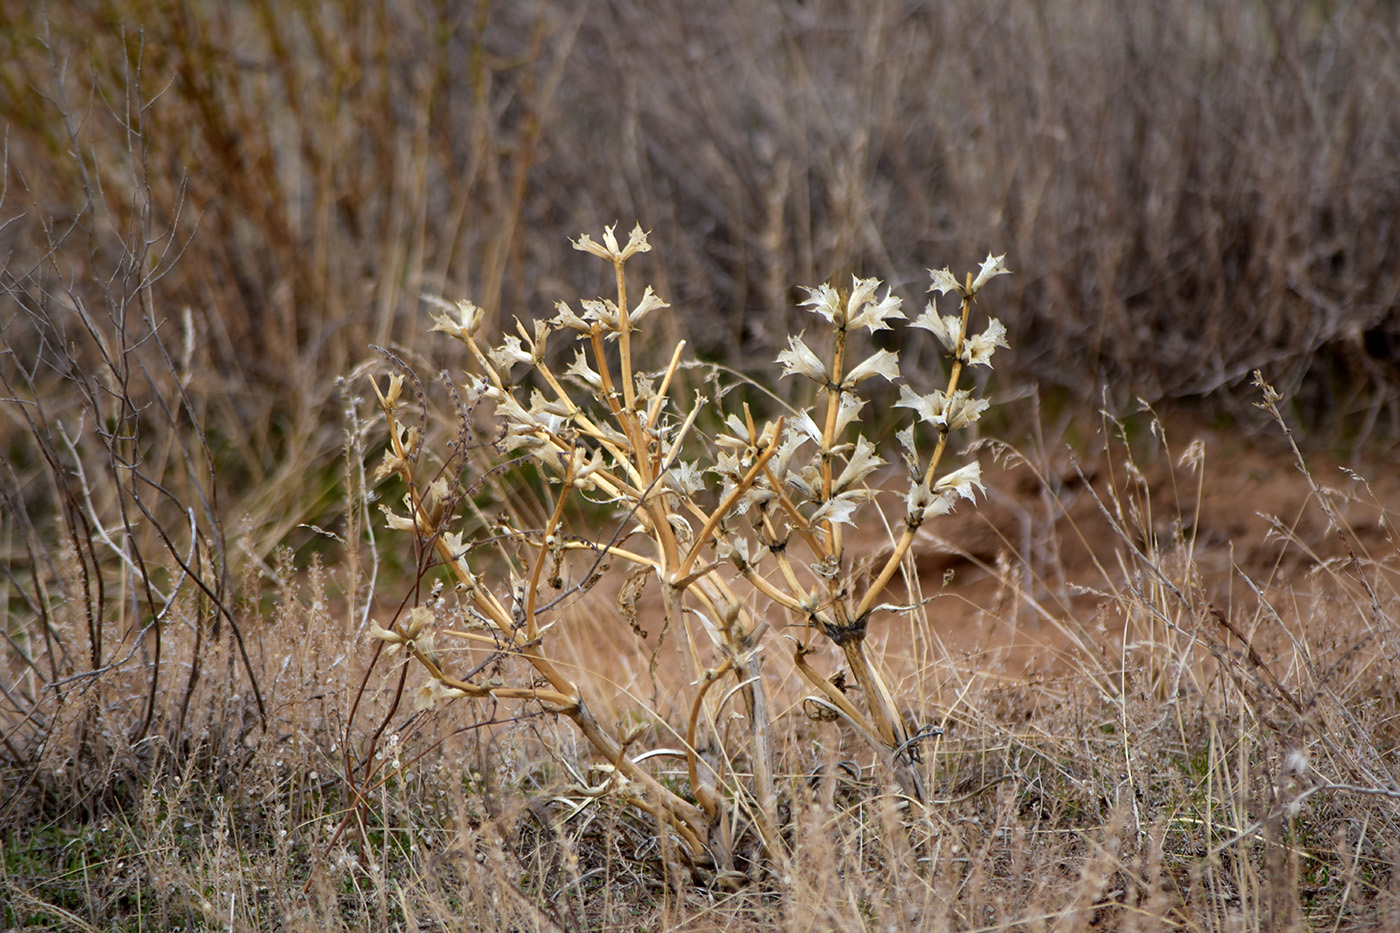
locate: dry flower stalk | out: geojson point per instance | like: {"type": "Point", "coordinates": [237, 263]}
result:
{"type": "Point", "coordinates": [604, 431]}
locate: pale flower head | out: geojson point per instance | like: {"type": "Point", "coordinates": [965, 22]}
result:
{"type": "Point", "coordinates": [393, 464]}
{"type": "Point", "coordinates": [923, 503]}
{"type": "Point", "coordinates": [860, 309]}
{"type": "Point", "coordinates": [685, 479]}
{"type": "Point", "coordinates": [847, 410]}
{"type": "Point", "coordinates": [782, 460]}
{"type": "Point", "coordinates": [939, 410]}
{"type": "Point", "coordinates": [586, 374]}
{"type": "Point", "coordinates": [469, 320]}
{"type": "Point", "coordinates": [863, 461]}
{"type": "Point", "coordinates": [636, 243]}
{"type": "Point", "coordinates": [992, 266]}
{"type": "Point", "coordinates": [509, 353]}
{"type": "Point", "coordinates": [390, 638]}
{"type": "Point", "coordinates": [840, 509]}
{"type": "Point", "coordinates": [880, 363]}
{"type": "Point", "coordinates": [864, 310]}
{"type": "Point", "coordinates": [565, 317]}
{"type": "Point", "coordinates": [961, 482]}
{"type": "Point", "coordinates": [944, 281]}
{"type": "Point", "coordinates": [650, 302]}
{"type": "Point", "coordinates": [428, 695]}
{"type": "Point", "coordinates": [977, 351]}
{"type": "Point", "coordinates": [825, 301]}
{"type": "Point", "coordinates": [585, 466]}
{"type": "Point", "coordinates": [908, 451]}
{"type": "Point", "coordinates": [452, 540]}
{"type": "Point", "coordinates": [947, 328]}
{"type": "Point", "coordinates": [799, 359]}
{"type": "Point", "coordinates": [862, 290]}
{"type": "Point", "coordinates": [602, 311]}
{"type": "Point", "coordinates": [397, 522]}
{"type": "Point", "coordinates": [387, 400]}
{"type": "Point", "coordinates": [419, 617]}
{"type": "Point", "coordinates": [804, 422]}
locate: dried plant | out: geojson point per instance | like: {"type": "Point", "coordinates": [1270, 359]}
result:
{"type": "Point", "coordinates": [732, 527]}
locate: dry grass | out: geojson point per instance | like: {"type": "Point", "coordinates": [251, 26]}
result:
{"type": "Point", "coordinates": [1173, 775]}
{"type": "Point", "coordinates": [209, 212]}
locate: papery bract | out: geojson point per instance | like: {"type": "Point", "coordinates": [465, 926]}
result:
{"type": "Point", "coordinates": [991, 266]}
{"type": "Point", "coordinates": [799, 359]}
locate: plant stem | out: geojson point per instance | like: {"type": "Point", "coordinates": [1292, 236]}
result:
{"type": "Point", "coordinates": [906, 539]}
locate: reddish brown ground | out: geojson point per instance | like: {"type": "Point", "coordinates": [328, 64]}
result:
{"type": "Point", "coordinates": [1238, 505]}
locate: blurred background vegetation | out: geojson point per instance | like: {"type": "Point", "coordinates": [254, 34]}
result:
{"type": "Point", "coordinates": [1188, 190]}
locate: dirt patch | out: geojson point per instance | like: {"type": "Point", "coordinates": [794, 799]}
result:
{"type": "Point", "coordinates": [1037, 564]}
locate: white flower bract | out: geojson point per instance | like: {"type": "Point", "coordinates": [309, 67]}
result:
{"type": "Point", "coordinates": [991, 266]}
{"type": "Point", "coordinates": [962, 481]}
{"type": "Point", "coordinates": [861, 309]}
{"type": "Point", "coordinates": [799, 359]}
{"type": "Point", "coordinates": [650, 302]}
{"type": "Point", "coordinates": [469, 319]}
{"type": "Point", "coordinates": [881, 363]}
{"type": "Point", "coordinates": [862, 463]}
{"type": "Point", "coordinates": [938, 410]}
{"type": "Point", "coordinates": [947, 328]}
{"type": "Point", "coordinates": [510, 352]}
{"type": "Point", "coordinates": [978, 350]}
{"type": "Point", "coordinates": [636, 243]}
{"type": "Point", "coordinates": [944, 281]}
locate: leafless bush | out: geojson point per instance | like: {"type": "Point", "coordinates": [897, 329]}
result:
{"type": "Point", "coordinates": [116, 553]}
